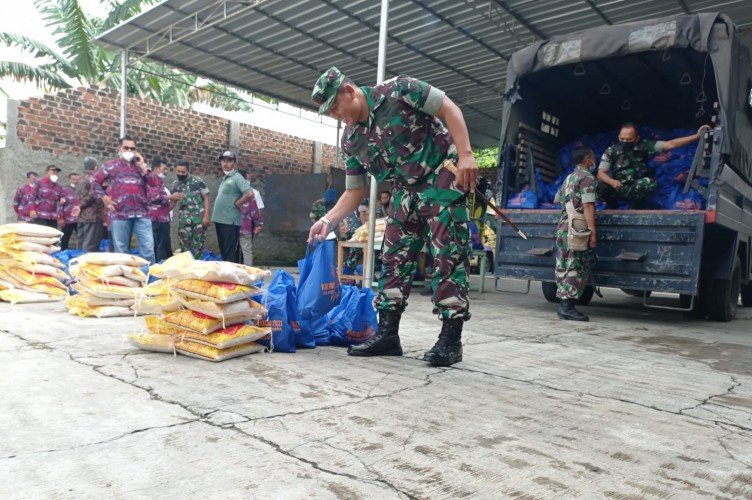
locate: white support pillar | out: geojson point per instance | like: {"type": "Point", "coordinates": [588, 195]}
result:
{"type": "Point", "coordinates": [123, 89]}
{"type": "Point", "coordinates": [373, 196]}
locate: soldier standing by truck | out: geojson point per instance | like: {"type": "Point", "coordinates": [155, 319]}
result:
{"type": "Point", "coordinates": [573, 266]}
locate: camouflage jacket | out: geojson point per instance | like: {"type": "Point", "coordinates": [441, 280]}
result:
{"type": "Point", "coordinates": [319, 209]}
{"type": "Point", "coordinates": [402, 141]}
{"type": "Point", "coordinates": [192, 206]}
{"type": "Point", "coordinates": [579, 188]}
{"type": "Point", "coordinates": [629, 161]}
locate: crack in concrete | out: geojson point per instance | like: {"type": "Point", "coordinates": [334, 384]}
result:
{"type": "Point", "coordinates": [599, 396]}
{"type": "Point", "coordinates": [729, 452]}
{"type": "Point", "coordinates": [202, 419]}
{"type": "Point", "coordinates": [104, 441]}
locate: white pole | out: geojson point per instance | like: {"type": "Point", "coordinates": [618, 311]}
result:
{"type": "Point", "coordinates": [373, 196]}
{"type": "Point", "coordinates": [123, 89]}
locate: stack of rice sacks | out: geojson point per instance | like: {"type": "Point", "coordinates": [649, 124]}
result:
{"type": "Point", "coordinates": [28, 271]}
{"type": "Point", "coordinates": [108, 284]}
{"type": "Point", "coordinates": [214, 316]}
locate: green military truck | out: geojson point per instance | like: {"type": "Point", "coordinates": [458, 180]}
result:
{"type": "Point", "coordinates": [683, 71]}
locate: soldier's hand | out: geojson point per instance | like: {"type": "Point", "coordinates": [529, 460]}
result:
{"type": "Point", "coordinates": [467, 173]}
{"type": "Point", "coordinates": [702, 129]}
{"type": "Point", "coordinates": [319, 231]}
{"type": "Point", "coordinates": [593, 243]}
{"type": "Point", "coordinates": [616, 184]}
{"type": "Point", "coordinates": [206, 222]}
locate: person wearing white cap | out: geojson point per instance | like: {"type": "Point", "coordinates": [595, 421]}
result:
{"type": "Point", "coordinates": [234, 191]}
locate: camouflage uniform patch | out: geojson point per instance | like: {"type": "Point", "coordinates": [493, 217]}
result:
{"type": "Point", "coordinates": [191, 231]}
{"type": "Point", "coordinates": [403, 141]}
{"type": "Point", "coordinates": [572, 267]}
{"type": "Point", "coordinates": [628, 164]}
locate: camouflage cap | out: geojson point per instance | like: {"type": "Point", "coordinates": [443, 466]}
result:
{"type": "Point", "coordinates": [325, 90]}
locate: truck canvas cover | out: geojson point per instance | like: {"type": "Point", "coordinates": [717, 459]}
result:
{"type": "Point", "coordinates": [711, 33]}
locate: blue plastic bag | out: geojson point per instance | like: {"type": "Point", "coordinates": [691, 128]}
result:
{"type": "Point", "coordinates": [353, 321]}
{"type": "Point", "coordinates": [316, 331]}
{"type": "Point", "coordinates": [319, 289]}
{"type": "Point", "coordinates": [523, 199]}
{"type": "Point", "coordinates": [280, 298]}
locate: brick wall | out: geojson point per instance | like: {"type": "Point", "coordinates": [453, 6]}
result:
{"type": "Point", "coordinates": [86, 122]}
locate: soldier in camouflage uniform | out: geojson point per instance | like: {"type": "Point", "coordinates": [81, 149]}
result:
{"type": "Point", "coordinates": [623, 172]}
{"type": "Point", "coordinates": [191, 196]}
{"type": "Point", "coordinates": [394, 133]}
{"type": "Point", "coordinates": [322, 206]}
{"type": "Point", "coordinates": [573, 267]}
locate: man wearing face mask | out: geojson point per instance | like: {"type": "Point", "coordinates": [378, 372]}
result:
{"type": "Point", "coordinates": [160, 212]}
{"type": "Point", "coordinates": [125, 200]}
{"type": "Point", "coordinates": [71, 209]}
{"type": "Point", "coordinates": [623, 171]}
{"type": "Point", "coordinates": [24, 198]}
{"type": "Point", "coordinates": [572, 266]}
{"type": "Point", "coordinates": [191, 196]}
{"type": "Point", "coordinates": [234, 191]}
{"type": "Point", "coordinates": [90, 229]}
{"type": "Point", "coordinates": [47, 207]}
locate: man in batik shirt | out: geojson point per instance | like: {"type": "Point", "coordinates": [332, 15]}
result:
{"type": "Point", "coordinates": [394, 133]}
{"type": "Point", "coordinates": [47, 207]}
{"type": "Point", "coordinates": [24, 198]}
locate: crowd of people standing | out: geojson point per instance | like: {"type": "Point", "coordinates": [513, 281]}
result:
{"type": "Point", "coordinates": [127, 197]}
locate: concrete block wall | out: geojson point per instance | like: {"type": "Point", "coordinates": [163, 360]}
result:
{"type": "Point", "coordinates": [65, 127]}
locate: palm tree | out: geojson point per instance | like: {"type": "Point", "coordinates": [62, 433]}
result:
{"type": "Point", "coordinates": [83, 62]}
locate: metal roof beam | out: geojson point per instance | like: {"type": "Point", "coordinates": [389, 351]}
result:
{"type": "Point", "coordinates": [459, 29]}
{"type": "Point", "coordinates": [532, 29]}
{"type": "Point", "coordinates": [205, 18]}
{"type": "Point", "coordinates": [598, 11]}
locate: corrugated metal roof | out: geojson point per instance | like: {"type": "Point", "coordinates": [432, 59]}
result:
{"type": "Point", "coordinates": [279, 47]}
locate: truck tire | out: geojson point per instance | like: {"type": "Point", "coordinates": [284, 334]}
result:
{"type": "Point", "coordinates": [549, 291]}
{"type": "Point", "coordinates": [723, 295]}
{"type": "Point", "coordinates": [747, 295]}
{"type": "Point", "coordinates": [587, 295]}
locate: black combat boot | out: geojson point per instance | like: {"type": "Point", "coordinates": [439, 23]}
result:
{"type": "Point", "coordinates": [386, 342]}
{"type": "Point", "coordinates": [448, 349]}
{"type": "Point", "coordinates": [568, 311]}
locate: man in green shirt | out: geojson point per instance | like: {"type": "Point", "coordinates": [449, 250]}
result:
{"type": "Point", "coordinates": [234, 190]}
{"type": "Point", "coordinates": [393, 131]}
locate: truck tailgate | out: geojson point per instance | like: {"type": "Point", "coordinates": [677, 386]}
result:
{"type": "Point", "coordinates": [637, 249]}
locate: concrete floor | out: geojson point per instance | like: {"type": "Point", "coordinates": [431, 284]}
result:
{"type": "Point", "coordinates": [636, 404]}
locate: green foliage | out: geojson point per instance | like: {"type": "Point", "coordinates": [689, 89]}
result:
{"type": "Point", "coordinates": [83, 62]}
{"type": "Point", "coordinates": [487, 158]}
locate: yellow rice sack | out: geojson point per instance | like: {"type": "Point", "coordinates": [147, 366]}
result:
{"type": "Point", "coordinates": [215, 291]}
{"type": "Point", "coordinates": [88, 300]}
{"type": "Point", "coordinates": [122, 280]}
{"type": "Point", "coordinates": [210, 353]}
{"type": "Point", "coordinates": [23, 277]}
{"type": "Point", "coordinates": [100, 312]}
{"type": "Point", "coordinates": [159, 287]}
{"type": "Point", "coordinates": [155, 305]}
{"type": "Point", "coordinates": [16, 296]}
{"type": "Point", "coordinates": [109, 258]}
{"type": "Point", "coordinates": [156, 324]}
{"type": "Point", "coordinates": [6, 285]}
{"type": "Point", "coordinates": [154, 342]}
{"type": "Point", "coordinates": [226, 337]}
{"type": "Point", "coordinates": [106, 291]}
{"type": "Point", "coordinates": [184, 267]}
{"type": "Point", "coordinates": [45, 288]}
{"type": "Point", "coordinates": [37, 268]}
{"type": "Point", "coordinates": [40, 240]}
{"type": "Point", "coordinates": [32, 258]}
{"type": "Point", "coordinates": [29, 230]}
{"type": "Point", "coordinates": [97, 271]}
{"type": "Point", "coordinates": [25, 246]}
{"type": "Point", "coordinates": [201, 323]}
{"type": "Point", "coordinates": [249, 307]}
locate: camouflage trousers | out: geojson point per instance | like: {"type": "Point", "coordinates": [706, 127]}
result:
{"type": "Point", "coordinates": [631, 190]}
{"type": "Point", "coordinates": [191, 235]}
{"type": "Point", "coordinates": [572, 269]}
{"type": "Point", "coordinates": [450, 241]}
